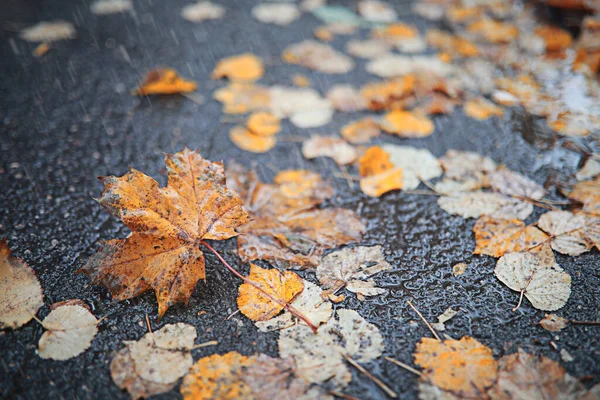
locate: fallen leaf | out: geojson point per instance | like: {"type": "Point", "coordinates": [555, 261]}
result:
{"type": "Point", "coordinates": [247, 140]}
{"type": "Point", "coordinates": [276, 13]}
{"type": "Point", "coordinates": [454, 45]}
{"type": "Point", "coordinates": [106, 7]}
{"type": "Point", "coordinates": [284, 286]}
{"type": "Point", "coordinates": [304, 106]}
{"type": "Point", "coordinates": [168, 225]}
{"type": "Point", "coordinates": [301, 81]}
{"type": "Point", "coordinates": [49, 31]}
{"type": "Point", "coordinates": [496, 237]}
{"type": "Point", "coordinates": [511, 183]}
{"type": "Point", "coordinates": [417, 164]}
{"type": "Point", "coordinates": [164, 81]}
{"type": "Point", "coordinates": [318, 56]}
{"type": "Point", "coordinates": [553, 323]}
{"type": "Point", "coordinates": [361, 131]}
{"type": "Point", "coordinates": [21, 294]}
{"type": "Point", "coordinates": [202, 11]}
{"type": "Point", "coordinates": [525, 376]}
{"type": "Point", "coordinates": [476, 204]}
{"type": "Point", "coordinates": [328, 146]}
{"type": "Point", "coordinates": [263, 124]}
{"type": "Point", "coordinates": [505, 98]}
{"type": "Point", "coordinates": [459, 269]}
{"type": "Point", "coordinates": [429, 11]}
{"type": "Point", "coordinates": [375, 161]}
{"type": "Point", "coordinates": [388, 94]}
{"type": "Point", "coordinates": [319, 357]}
{"type": "Point", "coordinates": [240, 98]}
{"type": "Point", "coordinates": [482, 109]}
{"type": "Point", "coordinates": [369, 49]}
{"type": "Point", "coordinates": [494, 31]}
{"type": "Point", "coordinates": [542, 281]}
{"type": "Point", "coordinates": [555, 39]}
{"type": "Point", "coordinates": [378, 175]}
{"type": "Point", "coordinates": [570, 232]}
{"type": "Point", "coordinates": [155, 362]}
{"type": "Point", "coordinates": [388, 66]}
{"type": "Point", "coordinates": [336, 14]}
{"type": "Point", "coordinates": [351, 268]}
{"type": "Point", "coordinates": [70, 329]}
{"type": "Point", "coordinates": [395, 31]}
{"type": "Point", "coordinates": [328, 32]}
{"type": "Point", "coordinates": [406, 124]}
{"type": "Point", "coordinates": [41, 49]}
{"type": "Point", "coordinates": [218, 377]}
{"type": "Point", "coordinates": [309, 303]}
{"type": "Point", "coordinates": [587, 193]}
{"type": "Point", "coordinates": [411, 44]}
{"type": "Point", "coordinates": [590, 170]}
{"type": "Point", "coordinates": [443, 318]}
{"type": "Point", "coordinates": [346, 98]}
{"type": "Point", "coordinates": [463, 367]}
{"type": "Point", "coordinates": [244, 67]}
{"type": "Point", "coordinates": [465, 165]}
{"type": "Point", "coordinates": [377, 11]}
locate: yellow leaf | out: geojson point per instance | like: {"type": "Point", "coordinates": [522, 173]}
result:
{"type": "Point", "coordinates": [164, 81]}
{"type": "Point", "coordinates": [247, 140]}
{"type": "Point", "coordinates": [263, 124]}
{"type": "Point", "coordinates": [245, 67]}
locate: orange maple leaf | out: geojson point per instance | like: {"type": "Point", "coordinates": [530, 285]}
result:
{"type": "Point", "coordinates": [167, 224]}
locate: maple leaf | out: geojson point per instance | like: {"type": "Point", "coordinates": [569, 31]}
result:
{"type": "Point", "coordinates": [167, 224]}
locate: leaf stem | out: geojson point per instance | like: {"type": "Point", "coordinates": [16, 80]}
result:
{"type": "Point", "coordinates": [520, 300]}
{"type": "Point", "coordinates": [283, 304]}
{"type": "Point", "coordinates": [424, 320]}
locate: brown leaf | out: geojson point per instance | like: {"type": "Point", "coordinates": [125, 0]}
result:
{"type": "Point", "coordinates": [318, 56]}
{"type": "Point", "coordinates": [495, 237]}
{"type": "Point", "coordinates": [588, 193]}
{"type": "Point", "coordinates": [553, 323]}
{"type": "Point", "coordinates": [274, 378]}
{"type": "Point", "coordinates": [167, 226]}
{"type": "Point", "coordinates": [164, 81]}
{"type": "Point", "coordinates": [326, 146]}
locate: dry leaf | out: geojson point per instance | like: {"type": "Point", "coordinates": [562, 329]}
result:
{"type": "Point", "coordinates": [218, 377]}
{"type": "Point", "coordinates": [301, 81]}
{"type": "Point", "coordinates": [511, 183]}
{"type": "Point", "coordinates": [542, 281]}
{"type": "Point", "coordinates": [482, 109]}
{"type": "Point", "coordinates": [327, 32]}
{"type": "Point", "coordinates": [49, 31]}
{"type": "Point", "coordinates": [505, 98]}
{"type": "Point", "coordinates": [476, 204]}
{"type": "Point", "coordinates": [21, 294]}
{"type": "Point", "coordinates": [465, 165]}
{"type": "Point", "coordinates": [318, 56]}
{"type": "Point", "coordinates": [429, 11]}
{"type": "Point", "coordinates": [388, 94]}
{"type": "Point", "coordinates": [240, 98]}
{"type": "Point", "coordinates": [276, 13]}
{"type": "Point", "coordinates": [377, 11]}
{"type": "Point", "coordinates": [263, 124]}
{"type": "Point", "coordinates": [309, 303]}
{"type": "Point", "coordinates": [553, 323]}
{"type": "Point", "coordinates": [345, 98]}
{"type": "Point", "coordinates": [244, 67]}
{"type": "Point", "coordinates": [106, 7]}
{"type": "Point", "coordinates": [496, 237]}
{"type": "Point", "coordinates": [327, 146]}
{"type": "Point", "coordinates": [389, 66]}
{"type": "Point", "coordinates": [319, 357]}
{"type": "Point", "coordinates": [70, 329]}
{"type": "Point", "coordinates": [451, 44]}
{"type": "Point", "coordinates": [459, 269]}
{"type": "Point", "coordinates": [154, 364]}
{"type": "Point", "coordinates": [590, 170]}
{"type": "Point", "coordinates": [361, 131]}
{"type": "Point", "coordinates": [464, 367]}
{"type": "Point", "coordinates": [555, 39]}
{"type": "Point", "coordinates": [284, 286]}
{"type": "Point", "coordinates": [351, 268]}
{"type": "Point", "coordinates": [249, 141]}
{"type": "Point", "coordinates": [588, 193]}
{"type": "Point", "coordinates": [411, 45]}
{"type": "Point", "coordinates": [393, 32]}
{"type": "Point", "coordinates": [378, 174]}
{"type": "Point", "coordinates": [406, 124]}
{"type": "Point", "coordinates": [443, 318]}
{"type": "Point", "coordinates": [304, 106]}
{"type": "Point", "coordinates": [417, 164]}
{"type": "Point", "coordinates": [494, 31]}
{"type": "Point", "coordinates": [570, 231]}
{"type": "Point", "coordinates": [168, 225]}
{"type": "Point", "coordinates": [164, 81]}
{"type": "Point", "coordinates": [202, 11]}
{"type": "Point", "coordinates": [524, 376]}
{"type": "Point", "coordinates": [375, 161]}
{"type": "Point", "coordinates": [369, 49]}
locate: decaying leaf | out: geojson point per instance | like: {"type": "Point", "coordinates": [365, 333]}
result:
{"type": "Point", "coordinates": [417, 164]}
{"type": "Point", "coordinates": [240, 98]}
{"type": "Point", "coordinates": [369, 49]}
{"type": "Point", "coordinates": [590, 170]}
{"type": "Point", "coordinates": [167, 226]}
{"type": "Point", "coordinates": [164, 81]}
{"type": "Point", "coordinates": [263, 124]}
{"type": "Point", "coordinates": [553, 323]}
{"type": "Point", "coordinates": [525, 376]}
{"type": "Point", "coordinates": [407, 124]}
{"type": "Point", "coordinates": [318, 56]}
{"type": "Point", "coordinates": [21, 294]}
{"type": "Point", "coordinates": [393, 65]}
{"type": "Point", "coordinates": [378, 174]}
{"type": "Point", "coordinates": [304, 106]}
{"type": "Point", "coordinates": [476, 204]}
{"type": "Point", "coordinates": [202, 11]}
{"type": "Point", "coordinates": [327, 146]}
{"type": "Point", "coordinates": [309, 302]}
{"type": "Point", "coordinates": [346, 98]}
{"type": "Point", "coordinates": [482, 109]}
{"type": "Point", "coordinates": [572, 234]}
{"type": "Point", "coordinates": [459, 269]}
{"type": "Point", "coordinates": [70, 329]}
{"type": "Point", "coordinates": [388, 94]}
{"type": "Point", "coordinates": [375, 161]}
{"type": "Point", "coordinates": [361, 131]}
{"type": "Point", "coordinates": [496, 237]}
{"type": "Point", "coordinates": [284, 286]}
{"type": "Point", "coordinates": [443, 318]}
{"type": "Point", "coordinates": [49, 31]}
{"type": "Point", "coordinates": [351, 268]}
{"type": "Point", "coordinates": [464, 367]}
{"type": "Point", "coordinates": [154, 364]}
{"type": "Point", "coordinates": [247, 140]}
{"type": "Point", "coordinates": [465, 165]}
{"type": "Point", "coordinates": [588, 193]}
{"type": "Point", "coordinates": [377, 11]}
{"type": "Point", "coordinates": [244, 67]}
{"type": "Point", "coordinates": [319, 357]}
{"type": "Point", "coordinates": [105, 7]}
{"type": "Point", "coordinates": [276, 13]}
{"type": "Point", "coordinates": [540, 279]}
{"type": "Point", "coordinates": [511, 183]}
